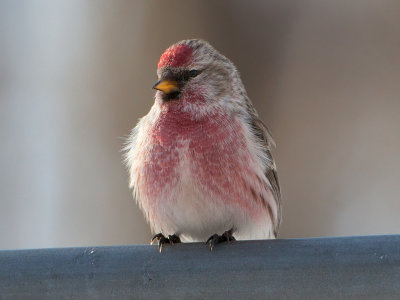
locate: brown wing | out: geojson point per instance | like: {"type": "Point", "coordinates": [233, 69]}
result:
{"type": "Point", "coordinates": [264, 137]}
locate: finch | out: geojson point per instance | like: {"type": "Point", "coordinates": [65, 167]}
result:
{"type": "Point", "coordinates": [200, 161]}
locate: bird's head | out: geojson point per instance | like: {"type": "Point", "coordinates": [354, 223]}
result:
{"type": "Point", "coordinates": [192, 70]}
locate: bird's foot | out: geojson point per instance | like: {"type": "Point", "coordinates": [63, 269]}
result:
{"type": "Point", "coordinates": [162, 240]}
{"type": "Point", "coordinates": [216, 239]}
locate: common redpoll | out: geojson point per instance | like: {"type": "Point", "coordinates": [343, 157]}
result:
{"type": "Point", "coordinates": [200, 162]}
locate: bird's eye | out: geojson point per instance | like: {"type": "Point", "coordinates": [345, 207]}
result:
{"type": "Point", "coordinates": [193, 73]}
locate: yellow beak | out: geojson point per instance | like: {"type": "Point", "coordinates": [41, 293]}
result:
{"type": "Point", "coordinates": [167, 86]}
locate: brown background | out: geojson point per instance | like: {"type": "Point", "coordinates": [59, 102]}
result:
{"type": "Point", "coordinates": [76, 75]}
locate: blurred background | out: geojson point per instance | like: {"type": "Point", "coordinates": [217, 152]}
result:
{"type": "Point", "coordinates": [75, 76]}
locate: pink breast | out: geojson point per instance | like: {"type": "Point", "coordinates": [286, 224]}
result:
{"type": "Point", "coordinates": [215, 146]}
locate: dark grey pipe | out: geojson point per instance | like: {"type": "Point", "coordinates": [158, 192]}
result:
{"type": "Point", "coordinates": [318, 268]}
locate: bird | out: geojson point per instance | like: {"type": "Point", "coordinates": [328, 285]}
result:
{"type": "Point", "coordinates": [200, 162]}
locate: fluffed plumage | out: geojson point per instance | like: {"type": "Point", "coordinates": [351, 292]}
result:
{"type": "Point", "coordinates": [200, 161]}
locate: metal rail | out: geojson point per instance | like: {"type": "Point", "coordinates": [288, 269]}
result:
{"type": "Point", "coordinates": [317, 268]}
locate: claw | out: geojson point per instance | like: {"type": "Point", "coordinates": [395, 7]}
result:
{"type": "Point", "coordinates": [162, 240]}
{"type": "Point", "coordinates": [157, 236]}
{"type": "Point", "coordinates": [160, 244]}
{"type": "Point", "coordinates": [216, 239]}
{"type": "Point", "coordinates": [213, 240]}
